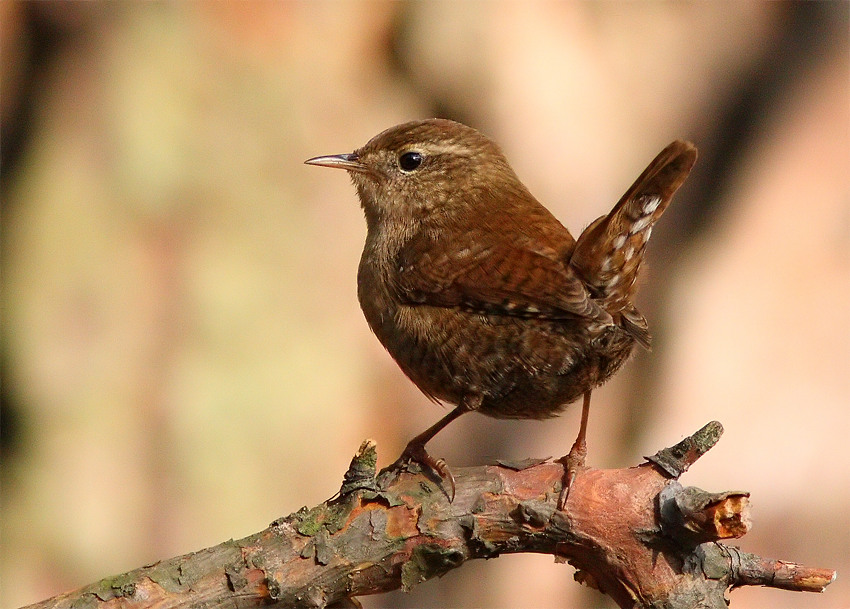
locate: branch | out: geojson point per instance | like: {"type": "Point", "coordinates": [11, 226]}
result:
{"type": "Point", "coordinates": [636, 534]}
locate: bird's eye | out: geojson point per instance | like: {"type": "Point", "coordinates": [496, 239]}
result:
{"type": "Point", "coordinates": [409, 161]}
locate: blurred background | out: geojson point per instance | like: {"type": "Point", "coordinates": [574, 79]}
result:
{"type": "Point", "coordinates": [183, 355]}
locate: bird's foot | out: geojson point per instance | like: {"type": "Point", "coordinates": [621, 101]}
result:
{"type": "Point", "coordinates": [572, 462]}
{"type": "Point", "coordinates": [435, 469]}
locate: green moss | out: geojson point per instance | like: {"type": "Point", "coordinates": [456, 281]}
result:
{"type": "Point", "coordinates": [311, 522]}
{"type": "Point", "coordinates": [427, 561]}
{"type": "Point", "coordinates": [119, 586]}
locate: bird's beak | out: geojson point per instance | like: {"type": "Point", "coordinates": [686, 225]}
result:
{"type": "Point", "coordinates": [350, 162]}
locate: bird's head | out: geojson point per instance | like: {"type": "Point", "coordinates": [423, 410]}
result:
{"type": "Point", "coordinates": [423, 169]}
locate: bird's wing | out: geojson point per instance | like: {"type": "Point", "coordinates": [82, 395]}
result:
{"type": "Point", "coordinates": [502, 277]}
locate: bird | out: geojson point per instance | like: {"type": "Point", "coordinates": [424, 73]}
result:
{"type": "Point", "coordinates": [481, 296]}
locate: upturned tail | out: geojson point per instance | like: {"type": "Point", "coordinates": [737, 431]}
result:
{"type": "Point", "coordinates": [609, 252]}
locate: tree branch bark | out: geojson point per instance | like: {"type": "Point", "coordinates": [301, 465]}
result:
{"type": "Point", "coordinates": [636, 534]}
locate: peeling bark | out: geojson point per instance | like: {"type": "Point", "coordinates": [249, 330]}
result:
{"type": "Point", "coordinates": [636, 534]}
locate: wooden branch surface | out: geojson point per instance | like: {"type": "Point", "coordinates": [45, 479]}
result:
{"type": "Point", "coordinates": [636, 534]}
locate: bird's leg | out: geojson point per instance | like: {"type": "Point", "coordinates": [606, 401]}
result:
{"type": "Point", "coordinates": [575, 459]}
{"type": "Point", "coordinates": [415, 449]}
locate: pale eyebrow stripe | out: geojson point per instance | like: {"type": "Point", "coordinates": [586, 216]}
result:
{"type": "Point", "coordinates": [446, 149]}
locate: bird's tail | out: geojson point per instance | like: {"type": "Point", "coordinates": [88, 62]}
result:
{"type": "Point", "coordinates": [609, 252]}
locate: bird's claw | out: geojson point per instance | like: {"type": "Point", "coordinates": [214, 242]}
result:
{"type": "Point", "coordinates": [435, 469]}
{"type": "Point", "coordinates": [572, 462]}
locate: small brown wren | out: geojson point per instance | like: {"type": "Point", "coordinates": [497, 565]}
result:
{"type": "Point", "coordinates": [480, 295]}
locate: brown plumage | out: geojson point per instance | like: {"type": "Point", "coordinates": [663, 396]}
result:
{"type": "Point", "coordinates": [481, 296]}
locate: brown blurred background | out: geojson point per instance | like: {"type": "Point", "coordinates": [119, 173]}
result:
{"type": "Point", "coordinates": [184, 359]}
